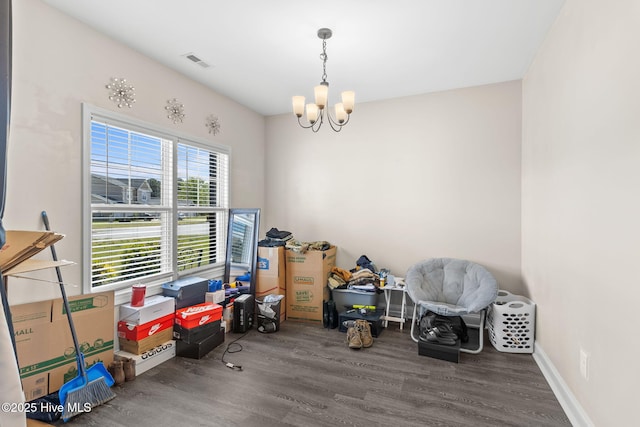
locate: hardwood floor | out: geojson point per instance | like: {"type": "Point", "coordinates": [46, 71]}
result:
{"type": "Point", "coordinates": [305, 375]}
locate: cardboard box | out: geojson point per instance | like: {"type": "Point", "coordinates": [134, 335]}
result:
{"type": "Point", "coordinates": [154, 307]}
{"type": "Point", "coordinates": [306, 285]}
{"type": "Point", "coordinates": [198, 315]}
{"type": "Point", "coordinates": [22, 245]}
{"type": "Point", "coordinates": [146, 344]}
{"type": "Point", "coordinates": [215, 297]}
{"type": "Point", "coordinates": [271, 271]}
{"type": "Point", "coordinates": [271, 275]}
{"type": "Point", "coordinates": [227, 317]}
{"type": "Point", "coordinates": [59, 376]}
{"type": "Point", "coordinates": [187, 291]}
{"type": "Point", "coordinates": [151, 358]}
{"type": "Point", "coordinates": [199, 333]}
{"type": "Point", "coordinates": [199, 349]}
{"type": "Point", "coordinates": [32, 324]}
{"type": "Point", "coordinates": [45, 347]}
{"type": "Point", "coordinates": [450, 353]}
{"type": "Point", "coordinates": [35, 386]}
{"type": "Point", "coordinates": [134, 332]}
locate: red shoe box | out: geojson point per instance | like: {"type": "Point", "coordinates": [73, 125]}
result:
{"type": "Point", "coordinates": [198, 315]}
{"type": "Point", "coordinates": [134, 332]}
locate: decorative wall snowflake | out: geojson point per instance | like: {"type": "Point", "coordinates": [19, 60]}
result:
{"type": "Point", "coordinates": [121, 93]}
{"type": "Point", "coordinates": [213, 124]}
{"type": "Point", "coordinates": [175, 110]}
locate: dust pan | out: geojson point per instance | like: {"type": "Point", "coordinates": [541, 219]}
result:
{"type": "Point", "coordinates": [92, 387]}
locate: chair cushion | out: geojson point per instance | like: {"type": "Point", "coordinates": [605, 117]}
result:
{"type": "Point", "coordinates": [451, 287]}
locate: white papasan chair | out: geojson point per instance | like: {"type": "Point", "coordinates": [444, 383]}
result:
{"type": "Point", "coordinates": [451, 287]}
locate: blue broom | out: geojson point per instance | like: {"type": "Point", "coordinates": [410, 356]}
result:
{"type": "Point", "coordinates": [92, 386]}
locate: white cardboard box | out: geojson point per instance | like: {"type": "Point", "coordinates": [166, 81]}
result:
{"type": "Point", "coordinates": [154, 307]}
{"type": "Point", "coordinates": [215, 297]}
{"type": "Point", "coordinates": [152, 358]}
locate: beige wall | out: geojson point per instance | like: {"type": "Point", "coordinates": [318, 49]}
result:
{"type": "Point", "coordinates": [581, 209]}
{"type": "Point", "coordinates": [60, 63]}
{"type": "Point", "coordinates": [434, 175]}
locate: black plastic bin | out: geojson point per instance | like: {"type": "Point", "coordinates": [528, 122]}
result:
{"type": "Point", "coordinates": [375, 319]}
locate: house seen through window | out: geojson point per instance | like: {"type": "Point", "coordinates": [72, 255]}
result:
{"type": "Point", "coordinates": [158, 202]}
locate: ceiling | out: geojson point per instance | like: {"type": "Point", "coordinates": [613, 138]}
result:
{"type": "Point", "coordinates": [260, 53]}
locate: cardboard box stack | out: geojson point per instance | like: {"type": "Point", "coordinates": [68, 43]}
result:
{"type": "Point", "coordinates": [45, 348]}
{"type": "Point", "coordinates": [197, 329]}
{"type": "Point", "coordinates": [307, 275]}
{"type": "Point", "coordinates": [144, 328]}
{"type": "Point", "coordinates": [152, 357]}
{"type": "Point", "coordinates": [196, 323]}
{"type": "Point", "coordinates": [271, 276]}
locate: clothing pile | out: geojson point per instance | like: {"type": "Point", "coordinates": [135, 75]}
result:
{"type": "Point", "coordinates": [339, 277]}
{"type": "Point", "coordinates": [303, 247]}
{"type": "Point", "coordinates": [276, 238]}
{"type": "Point", "coordinates": [364, 277]}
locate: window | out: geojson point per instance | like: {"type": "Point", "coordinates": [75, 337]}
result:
{"type": "Point", "coordinates": [156, 202]}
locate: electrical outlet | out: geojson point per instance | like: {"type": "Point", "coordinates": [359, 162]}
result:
{"type": "Point", "coordinates": [584, 364]}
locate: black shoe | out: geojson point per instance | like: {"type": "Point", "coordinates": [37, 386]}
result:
{"type": "Point", "coordinates": [325, 314]}
{"type": "Point", "coordinates": [442, 331]}
{"type": "Point", "coordinates": [431, 337]}
{"type": "Point", "coordinates": [427, 322]}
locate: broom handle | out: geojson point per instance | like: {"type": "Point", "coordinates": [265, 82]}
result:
{"type": "Point", "coordinates": [79, 358]}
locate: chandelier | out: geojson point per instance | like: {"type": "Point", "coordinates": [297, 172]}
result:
{"type": "Point", "coordinates": [317, 112]}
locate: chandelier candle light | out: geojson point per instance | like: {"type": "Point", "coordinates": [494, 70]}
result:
{"type": "Point", "coordinates": [316, 112]}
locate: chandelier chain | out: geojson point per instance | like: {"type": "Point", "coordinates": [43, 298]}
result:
{"type": "Point", "coordinates": [323, 56]}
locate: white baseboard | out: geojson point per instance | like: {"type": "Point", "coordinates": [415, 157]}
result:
{"type": "Point", "coordinates": [572, 408]}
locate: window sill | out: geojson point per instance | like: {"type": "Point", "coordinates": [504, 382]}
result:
{"type": "Point", "coordinates": [123, 296]}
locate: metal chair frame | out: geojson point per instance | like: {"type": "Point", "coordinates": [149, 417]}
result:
{"type": "Point", "coordinates": [481, 326]}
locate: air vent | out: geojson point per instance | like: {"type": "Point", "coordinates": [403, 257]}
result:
{"type": "Point", "coordinates": [192, 57]}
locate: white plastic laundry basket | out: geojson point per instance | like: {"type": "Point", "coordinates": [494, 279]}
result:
{"type": "Point", "coordinates": [511, 321]}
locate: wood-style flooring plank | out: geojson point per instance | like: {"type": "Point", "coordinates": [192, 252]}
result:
{"type": "Point", "coordinates": [305, 375]}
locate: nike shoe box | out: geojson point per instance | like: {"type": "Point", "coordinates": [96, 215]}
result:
{"type": "Point", "coordinates": [201, 348]}
{"type": "Point", "coordinates": [198, 315]}
{"type": "Point", "coordinates": [154, 307]}
{"type": "Point", "coordinates": [193, 335]}
{"type": "Point", "coordinates": [187, 291]}
{"type": "Point", "coordinates": [375, 319]}
{"type": "Point", "coordinates": [132, 331]}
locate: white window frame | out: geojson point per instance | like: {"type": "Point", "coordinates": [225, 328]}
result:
{"type": "Point", "coordinates": [153, 284]}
